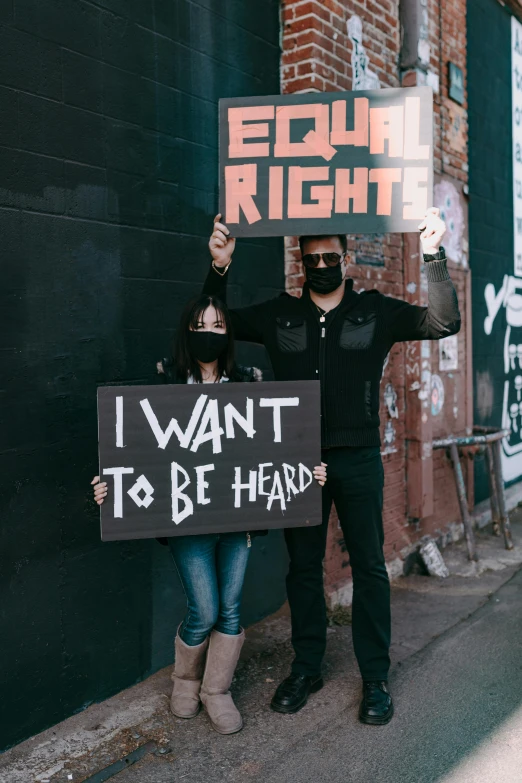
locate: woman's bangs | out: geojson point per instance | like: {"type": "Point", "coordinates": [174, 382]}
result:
{"type": "Point", "coordinates": [219, 312]}
{"type": "Point", "coordinates": [196, 316]}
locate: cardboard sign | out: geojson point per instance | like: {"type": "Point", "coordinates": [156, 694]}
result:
{"type": "Point", "coordinates": [189, 459]}
{"type": "Point", "coordinates": [326, 163]}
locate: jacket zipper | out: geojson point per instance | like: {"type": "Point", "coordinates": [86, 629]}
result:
{"type": "Point", "coordinates": [249, 541]}
{"type": "Point", "coordinates": [322, 352]}
{"type": "Point", "coordinates": [322, 365]}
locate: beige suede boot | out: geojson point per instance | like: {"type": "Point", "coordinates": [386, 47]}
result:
{"type": "Point", "coordinates": [187, 674]}
{"type": "Point", "coordinates": [222, 658]}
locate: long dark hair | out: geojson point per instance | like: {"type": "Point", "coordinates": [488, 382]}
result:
{"type": "Point", "coordinates": [186, 364]}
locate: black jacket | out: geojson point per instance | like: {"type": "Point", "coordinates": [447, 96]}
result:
{"type": "Point", "coordinates": [346, 353]}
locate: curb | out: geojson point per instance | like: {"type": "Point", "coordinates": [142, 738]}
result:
{"type": "Point", "coordinates": [454, 532]}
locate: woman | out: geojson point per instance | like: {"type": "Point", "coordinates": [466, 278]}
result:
{"type": "Point", "coordinates": [211, 567]}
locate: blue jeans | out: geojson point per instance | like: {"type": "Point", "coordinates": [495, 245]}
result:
{"type": "Point", "coordinates": [212, 570]}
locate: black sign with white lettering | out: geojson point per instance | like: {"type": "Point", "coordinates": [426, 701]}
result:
{"type": "Point", "coordinates": [192, 459]}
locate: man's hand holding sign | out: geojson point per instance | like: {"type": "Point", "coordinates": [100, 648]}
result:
{"type": "Point", "coordinates": [222, 244]}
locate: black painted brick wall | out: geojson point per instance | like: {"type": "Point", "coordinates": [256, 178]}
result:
{"type": "Point", "coordinates": [491, 201]}
{"type": "Point", "coordinates": [108, 171]}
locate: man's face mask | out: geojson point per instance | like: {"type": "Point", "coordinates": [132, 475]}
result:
{"type": "Point", "coordinates": [326, 279]}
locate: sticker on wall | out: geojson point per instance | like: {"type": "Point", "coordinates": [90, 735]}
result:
{"type": "Point", "coordinates": [389, 433]}
{"type": "Point", "coordinates": [447, 199]}
{"type": "Point", "coordinates": [437, 395]}
{"type": "Point", "coordinates": [449, 353]}
{"type": "Point", "coordinates": [388, 437]}
{"type": "Point", "coordinates": [390, 400]}
{"type": "Point", "coordinates": [363, 77]}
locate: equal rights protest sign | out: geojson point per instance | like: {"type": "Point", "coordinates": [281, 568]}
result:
{"type": "Point", "coordinates": [326, 163]}
{"type": "Point", "coordinates": [189, 459]}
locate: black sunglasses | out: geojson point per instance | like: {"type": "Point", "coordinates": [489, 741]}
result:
{"type": "Point", "coordinates": [311, 260]}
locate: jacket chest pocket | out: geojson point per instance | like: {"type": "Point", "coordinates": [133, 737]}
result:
{"type": "Point", "coordinates": [357, 331]}
{"type": "Point", "coordinates": [291, 334]}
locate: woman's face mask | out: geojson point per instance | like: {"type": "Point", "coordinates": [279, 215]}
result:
{"type": "Point", "coordinates": [206, 347]}
{"type": "Point", "coordinates": [210, 339]}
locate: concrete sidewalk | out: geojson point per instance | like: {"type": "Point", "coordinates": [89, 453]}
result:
{"type": "Point", "coordinates": [434, 654]}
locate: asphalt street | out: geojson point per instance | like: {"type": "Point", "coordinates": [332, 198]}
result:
{"type": "Point", "coordinates": [458, 720]}
{"type": "Point", "coordinates": [456, 680]}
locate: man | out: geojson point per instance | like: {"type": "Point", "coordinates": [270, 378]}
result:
{"type": "Point", "coordinates": [341, 338]}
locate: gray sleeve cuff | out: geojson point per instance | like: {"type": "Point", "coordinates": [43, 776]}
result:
{"type": "Point", "coordinates": [436, 271]}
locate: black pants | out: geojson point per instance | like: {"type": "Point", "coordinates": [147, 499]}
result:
{"type": "Point", "coordinates": [355, 484]}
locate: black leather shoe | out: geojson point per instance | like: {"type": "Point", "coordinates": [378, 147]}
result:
{"type": "Point", "coordinates": [293, 692]}
{"type": "Point", "coordinates": [376, 706]}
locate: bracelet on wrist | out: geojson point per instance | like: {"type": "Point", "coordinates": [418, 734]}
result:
{"type": "Point", "coordinates": [221, 272]}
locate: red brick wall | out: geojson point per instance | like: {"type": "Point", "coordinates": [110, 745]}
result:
{"type": "Point", "coordinates": [447, 33]}
{"type": "Point", "coordinates": [317, 49]}
{"type": "Point", "coordinates": [317, 57]}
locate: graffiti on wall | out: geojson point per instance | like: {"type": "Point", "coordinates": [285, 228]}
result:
{"type": "Point", "coordinates": [447, 199]}
{"type": "Point", "coordinates": [509, 299]}
{"type": "Point", "coordinates": [437, 395]}
{"type": "Point", "coordinates": [363, 78]}
{"type": "Point", "coordinates": [390, 434]}
{"type": "Point", "coordinates": [504, 306]}
{"type": "Point", "coordinates": [418, 374]}
{"type": "Point", "coordinates": [389, 439]}
{"type": "Point", "coordinates": [390, 400]}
